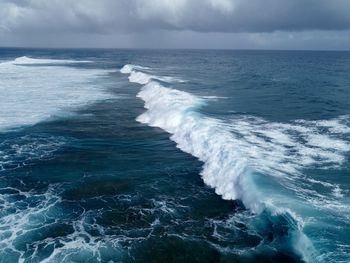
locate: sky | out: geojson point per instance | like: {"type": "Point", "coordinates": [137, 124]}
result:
{"type": "Point", "coordinates": [215, 24]}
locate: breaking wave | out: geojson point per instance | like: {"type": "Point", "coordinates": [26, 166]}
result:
{"type": "Point", "coordinates": [251, 159]}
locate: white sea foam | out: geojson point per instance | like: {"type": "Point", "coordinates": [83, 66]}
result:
{"type": "Point", "coordinates": [234, 152]}
{"type": "Point", "coordinates": [85, 246]}
{"type": "Point", "coordinates": [30, 94]}
{"type": "Point", "coordinates": [338, 125]}
{"type": "Point", "coordinates": [21, 151]}
{"type": "Point", "coordinates": [29, 217]}
{"type": "Point", "coordinates": [19, 218]}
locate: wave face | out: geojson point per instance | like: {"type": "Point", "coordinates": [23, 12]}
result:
{"type": "Point", "coordinates": [39, 89]}
{"type": "Point", "coordinates": [256, 161]}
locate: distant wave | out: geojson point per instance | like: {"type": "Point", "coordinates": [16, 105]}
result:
{"type": "Point", "coordinates": [139, 74]}
{"type": "Point", "coordinates": [31, 94]}
{"type": "Point", "coordinates": [27, 61]}
{"type": "Point", "coordinates": [233, 153]}
{"type": "Point", "coordinates": [129, 68]}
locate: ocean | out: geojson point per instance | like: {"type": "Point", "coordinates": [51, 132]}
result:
{"type": "Point", "coordinates": [174, 156]}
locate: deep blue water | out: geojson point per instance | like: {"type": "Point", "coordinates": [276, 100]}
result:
{"type": "Point", "coordinates": [174, 156]}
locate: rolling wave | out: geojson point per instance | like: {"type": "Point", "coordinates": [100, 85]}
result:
{"type": "Point", "coordinates": [256, 161]}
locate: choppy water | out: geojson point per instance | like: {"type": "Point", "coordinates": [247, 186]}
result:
{"type": "Point", "coordinates": [174, 156]}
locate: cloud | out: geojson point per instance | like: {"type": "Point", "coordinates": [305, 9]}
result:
{"type": "Point", "coordinates": [106, 16]}
{"type": "Point", "coordinates": [111, 22]}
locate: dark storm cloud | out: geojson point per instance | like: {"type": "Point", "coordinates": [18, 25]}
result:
{"type": "Point", "coordinates": [176, 23]}
{"type": "Point", "coordinates": [105, 16]}
{"type": "Point", "coordinates": [250, 15]}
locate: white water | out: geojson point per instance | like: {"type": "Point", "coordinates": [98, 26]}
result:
{"type": "Point", "coordinates": [26, 215]}
{"type": "Point", "coordinates": [238, 153]}
{"type": "Point", "coordinates": [34, 90]}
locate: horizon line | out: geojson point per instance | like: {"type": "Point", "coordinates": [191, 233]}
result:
{"type": "Point", "coordinates": [179, 49]}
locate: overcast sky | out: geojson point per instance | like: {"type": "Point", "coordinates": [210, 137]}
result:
{"type": "Point", "coordinates": [247, 24]}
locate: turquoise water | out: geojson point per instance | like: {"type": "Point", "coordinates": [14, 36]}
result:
{"type": "Point", "coordinates": [174, 156]}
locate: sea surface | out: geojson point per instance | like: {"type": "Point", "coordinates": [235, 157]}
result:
{"type": "Point", "coordinates": [174, 156]}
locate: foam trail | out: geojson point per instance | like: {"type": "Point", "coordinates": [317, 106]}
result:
{"type": "Point", "coordinates": [233, 153]}
{"type": "Point", "coordinates": [21, 151]}
{"type": "Point", "coordinates": [31, 216]}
